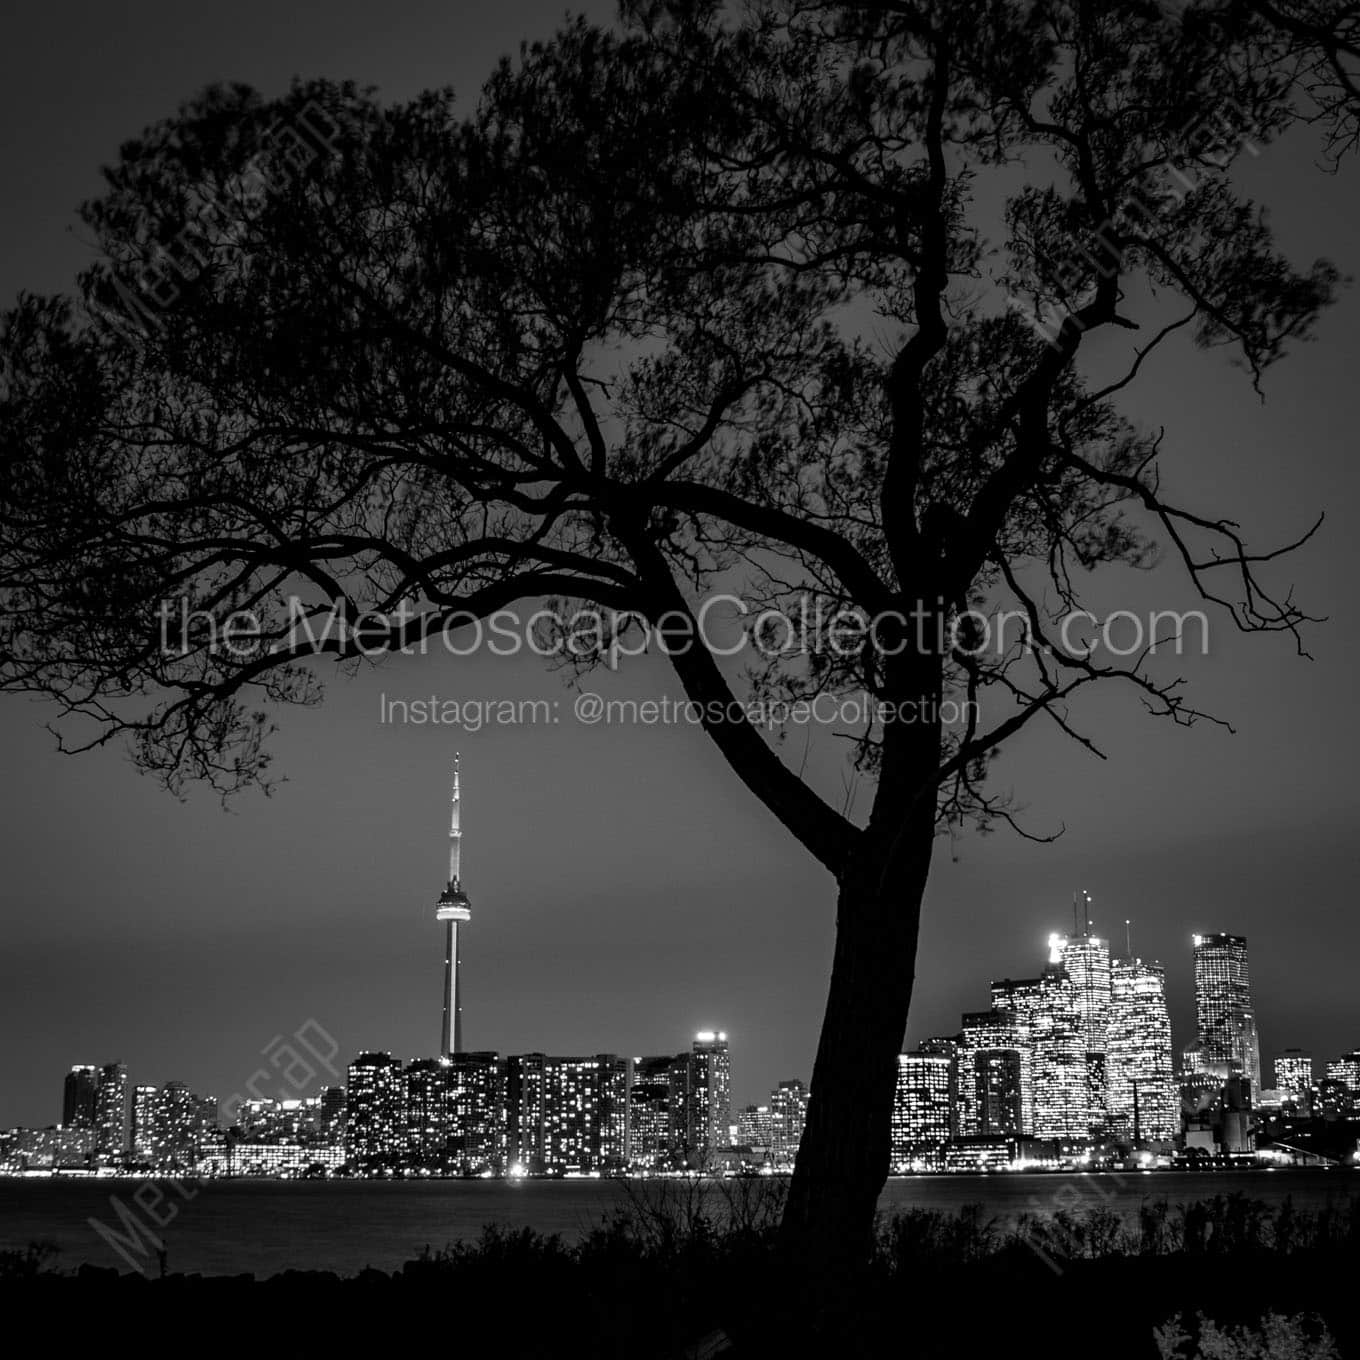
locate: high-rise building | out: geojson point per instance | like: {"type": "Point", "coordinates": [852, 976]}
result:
{"type": "Point", "coordinates": [1140, 1086]}
{"type": "Point", "coordinates": [923, 1109]}
{"type": "Point", "coordinates": [651, 1146]}
{"type": "Point", "coordinates": [78, 1098]}
{"type": "Point", "coordinates": [281, 1122]}
{"type": "Point", "coordinates": [1334, 1098]}
{"type": "Point", "coordinates": [375, 1127]}
{"type": "Point", "coordinates": [144, 1099]}
{"type": "Point", "coordinates": [455, 1114]}
{"type": "Point", "coordinates": [176, 1127]}
{"type": "Point", "coordinates": [1086, 960]}
{"type": "Point", "coordinates": [477, 1114]}
{"type": "Point", "coordinates": [1044, 1012]}
{"type": "Point", "coordinates": [426, 1106]}
{"type": "Point", "coordinates": [680, 1130]}
{"type": "Point", "coordinates": [111, 1110]}
{"type": "Point", "coordinates": [525, 1111]}
{"type": "Point", "coordinates": [788, 1110]}
{"type": "Point", "coordinates": [991, 1076]}
{"type": "Point", "coordinates": [755, 1127]}
{"type": "Point", "coordinates": [1224, 1013]}
{"type": "Point", "coordinates": [946, 1046]}
{"type": "Point", "coordinates": [1294, 1079]}
{"type": "Point", "coordinates": [708, 1103]}
{"type": "Point", "coordinates": [586, 1114]}
{"type": "Point", "coordinates": [997, 1075]}
{"type": "Point", "coordinates": [454, 910]}
{"type": "Point", "coordinates": [1015, 1000]}
{"type": "Point", "coordinates": [332, 1115]}
{"type": "Point", "coordinates": [1346, 1070]}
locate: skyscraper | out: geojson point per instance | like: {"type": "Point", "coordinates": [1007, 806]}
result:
{"type": "Point", "coordinates": [1294, 1077]}
{"type": "Point", "coordinates": [1224, 1014]}
{"type": "Point", "coordinates": [426, 1108]}
{"type": "Point", "coordinates": [992, 1072]}
{"type": "Point", "coordinates": [176, 1122]}
{"type": "Point", "coordinates": [709, 1095]}
{"type": "Point", "coordinates": [946, 1046]}
{"type": "Point", "coordinates": [477, 1116]}
{"type": "Point", "coordinates": [649, 1113]}
{"type": "Point", "coordinates": [1086, 959]}
{"type": "Point", "coordinates": [1045, 1015]}
{"type": "Point", "coordinates": [111, 1110]}
{"type": "Point", "coordinates": [78, 1098]}
{"type": "Point", "coordinates": [586, 1113]}
{"type": "Point", "coordinates": [1140, 1085]}
{"type": "Point", "coordinates": [454, 909]}
{"type": "Point", "coordinates": [1346, 1070]}
{"type": "Point", "coordinates": [144, 1099]}
{"type": "Point", "coordinates": [525, 1092]}
{"type": "Point", "coordinates": [375, 1126]}
{"type": "Point", "coordinates": [755, 1127]}
{"type": "Point", "coordinates": [922, 1115]}
{"type": "Point", "coordinates": [788, 1107]}
{"type": "Point", "coordinates": [332, 1117]}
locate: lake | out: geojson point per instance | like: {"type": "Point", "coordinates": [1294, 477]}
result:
{"type": "Point", "coordinates": [264, 1226]}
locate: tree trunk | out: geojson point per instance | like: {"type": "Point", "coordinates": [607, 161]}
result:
{"type": "Point", "coordinates": [844, 1154]}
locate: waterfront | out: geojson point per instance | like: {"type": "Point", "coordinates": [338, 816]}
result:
{"type": "Point", "coordinates": [264, 1226]}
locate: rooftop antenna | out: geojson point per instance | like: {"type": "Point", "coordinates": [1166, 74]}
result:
{"type": "Point", "coordinates": [1081, 913]}
{"type": "Point", "coordinates": [1128, 937]}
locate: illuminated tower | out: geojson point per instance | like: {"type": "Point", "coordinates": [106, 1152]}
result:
{"type": "Point", "coordinates": [78, 1103]}
{"type": "Point", "coordinates": [993, 1075]}
{"type": "Point", "coordinates": [454, 910]}
{"type": "Point", "coordinates": [1055, 1090]}
{"type": "Point", "coordinates": [1086, 959]}
{"type": "Point", "coordinates": [1223, 1007]}
{"type": "Point", "coordinates": [708, 1105]}
{"type": "Point", "coordinates": [1143, 1101]}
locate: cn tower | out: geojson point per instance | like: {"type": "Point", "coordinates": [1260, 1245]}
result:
{"type": "Point", "coordinates": [454, 909]}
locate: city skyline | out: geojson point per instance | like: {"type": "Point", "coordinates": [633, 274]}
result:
{"type": "Point", "coordinates": [1175, 829]}
{"type": "Point", "coordinates": [1078, 1057]}
{"type": "Point", "coordinates": [1084, 956]}
{"type": "Point", "coordinates": [1071, 1065]}
{"type": "Point", "coordinates": [1085, 908]}
{"type": "Point", "coordinates": [1087, 1004]}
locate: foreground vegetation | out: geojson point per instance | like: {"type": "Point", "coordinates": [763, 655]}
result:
{"type": "Point", "coordinates": [697, 1271]}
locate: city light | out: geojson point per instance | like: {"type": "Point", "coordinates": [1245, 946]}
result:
{"type": "Point", "coordinates": [1072, 1068]}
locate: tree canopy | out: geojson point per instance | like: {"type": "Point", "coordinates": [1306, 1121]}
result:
{"type": "Point", "coordinates": [683, 300]}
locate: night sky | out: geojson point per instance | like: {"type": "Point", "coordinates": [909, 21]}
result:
{"type": "Point", "coordinates": [626, 889]}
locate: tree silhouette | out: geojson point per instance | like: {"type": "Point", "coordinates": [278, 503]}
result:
{"type": "Point", "coordinates": [1314, 45]}
{"type": "Point", "coordinates": [689, 304]}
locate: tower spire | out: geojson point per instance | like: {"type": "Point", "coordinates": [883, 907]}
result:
{"type": "Point", "coordinates": [455, 830]}
{"type": "Point", "coordinates": [1081, 913]}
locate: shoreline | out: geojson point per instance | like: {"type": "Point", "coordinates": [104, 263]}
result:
{"type": "Point", "coordinates": [997, 1173]}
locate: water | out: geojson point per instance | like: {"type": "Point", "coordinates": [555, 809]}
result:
{"type": "Point", "coordinates": [265, 1226]}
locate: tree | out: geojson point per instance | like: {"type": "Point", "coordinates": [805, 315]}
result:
{"type": "Point", "coordinates": [1315, 46]}
{"type": "Point", "coordinates": [678, 306]}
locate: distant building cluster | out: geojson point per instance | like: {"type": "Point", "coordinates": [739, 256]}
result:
{"type": "Point", "coordinates": [468, 1114]}
{"type": "Point", "coordinates": [478, 1114]}
{"type": "Point", "coordinates": [1076, 1066]}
